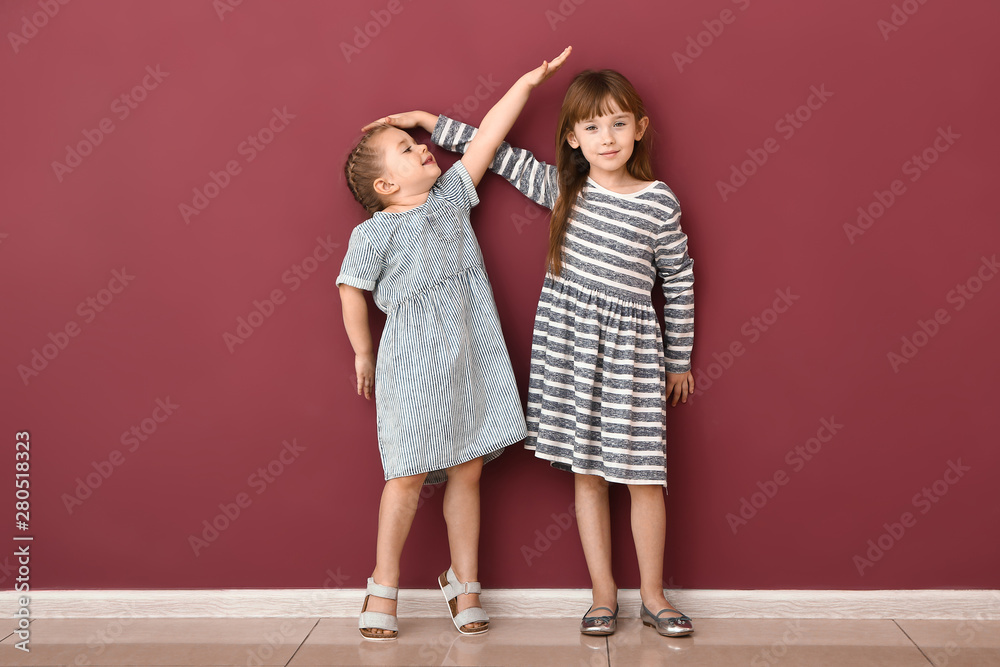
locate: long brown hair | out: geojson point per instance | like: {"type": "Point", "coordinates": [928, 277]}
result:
{"type": "Point", "coordinates": [590, 95]}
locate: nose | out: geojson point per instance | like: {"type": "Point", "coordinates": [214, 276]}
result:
{"type": "Point", "coordinates": [606, 137]}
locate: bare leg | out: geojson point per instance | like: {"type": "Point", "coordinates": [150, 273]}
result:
{"type": "Point", "coordinates": [593, 518]}
{"type": "Point", "coordinates": [461, 513]}
{"type": "Point", "coordinates": [395, 516]}
{"type": "Point", "coordinates": [649, 527]}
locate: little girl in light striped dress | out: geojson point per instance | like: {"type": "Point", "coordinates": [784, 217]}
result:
{"type": "Point", "coordinates": [600, 378]}
{"type": "Point", "coordinates": [445, 394]}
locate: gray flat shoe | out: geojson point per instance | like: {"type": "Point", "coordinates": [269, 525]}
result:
{"type": "Point", "coordinates": [599, 625]}
{"type": "Point", "coordinates": [671, 626]}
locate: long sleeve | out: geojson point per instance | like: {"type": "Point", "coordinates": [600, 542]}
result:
{"type": "Point", "coordinates": [676, 269]}
{"type": "Point", "coordinates": [535, 179]}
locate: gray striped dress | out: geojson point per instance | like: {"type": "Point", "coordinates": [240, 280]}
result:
{"type": "Point", "coordinates": [597, 386]}
{"type": "Point", "coordinates": [444, 388]}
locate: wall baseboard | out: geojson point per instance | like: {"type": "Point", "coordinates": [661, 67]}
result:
{"type": "Point", "coordinates": [506, 603]}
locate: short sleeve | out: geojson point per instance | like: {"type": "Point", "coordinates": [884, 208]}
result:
{"type": "Point", "coordinates": [455, 186]}
{"type": "Point", "coordinates": [363, 264]}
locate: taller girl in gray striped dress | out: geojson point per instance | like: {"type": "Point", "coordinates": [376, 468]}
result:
{"type": "Point", "coordinates": [445, 394]}
{"type": "Point", "coordinates": [600, 378]}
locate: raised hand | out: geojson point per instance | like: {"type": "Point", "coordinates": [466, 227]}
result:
{"type": "Point", "coordinates": [498, 120]}
{"type": "Point", "coordinates": [405, 121]}
{"type": "Point", "coordinates": [541, 73]}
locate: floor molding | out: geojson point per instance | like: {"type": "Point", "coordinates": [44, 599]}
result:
{"type": "Point", "coordinates": [506, 603]}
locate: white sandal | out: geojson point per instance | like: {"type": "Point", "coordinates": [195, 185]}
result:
{"type": "Point", "coordinates": [452, 588]}
{"type": "Point", "coordinates": [376, 620]}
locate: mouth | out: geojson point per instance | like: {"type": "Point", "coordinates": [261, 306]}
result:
{"type": "Point", "coordinates": [609, 154]}
{"type": "Point", "coordinates": [429, 160]}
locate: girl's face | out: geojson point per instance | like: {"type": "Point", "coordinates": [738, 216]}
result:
{"type": "Point", "coordinates": [608, 141]}
{"type": "Point", "coordinates": [409, 167]}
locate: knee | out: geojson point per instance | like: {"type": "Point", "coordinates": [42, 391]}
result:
{"type": "Point", "coordinates": [645, 491]}
{"type": "Point", "coordinates": [467, 473]}
{"type": "Point", "coordinates": [406, 486]}
{"type": "Point", "coordinates": [591, 484]}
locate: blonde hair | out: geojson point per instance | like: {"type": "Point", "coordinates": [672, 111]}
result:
{"type": "Point", "coordinates": [365, 164]}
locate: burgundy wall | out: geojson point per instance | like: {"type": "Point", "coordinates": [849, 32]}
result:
{"type": "Point", "coordinates": [852, 419]}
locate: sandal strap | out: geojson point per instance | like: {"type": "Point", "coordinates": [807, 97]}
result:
{"type": "Point", "coordinates": [471, 615]}
{"type": "Point", "coordinates": [456, 587]}
{"type": "Point", "coordinates": [376, 620]}
{"type": "Point", "coordinates": [380, 591]}
{"type": "Point", "coordinates": [667, 609]}
{"type": "Point", "coordinates": [682, 617]}
{"type": "Point", "coordinates": [590, 613]}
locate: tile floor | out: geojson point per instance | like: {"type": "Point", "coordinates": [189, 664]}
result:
{"type": "Point", "coordinates": [551, 642]}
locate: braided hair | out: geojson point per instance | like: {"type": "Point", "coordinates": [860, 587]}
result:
{"type": "Point", "coordinates": [364, 165]}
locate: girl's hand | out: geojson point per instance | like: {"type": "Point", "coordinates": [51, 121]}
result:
{"type": "Point", "coordinates": [541, 73]}
{"type": "Point", "coordinates": [679, 385]}
{"type": "Point", "coordinates": [405, 121]}
{"type": "Point", "coordinates": [364, 366]}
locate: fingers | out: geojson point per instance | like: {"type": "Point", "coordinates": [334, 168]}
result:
{"type": "Point", "coordinates": [548, 68]}
{"type": "Point", "coordinates": [388, 120]}
{"type": "Point", "coordinates": [680, 389]}
{"type": "Point", "coordinates": [684, 389]}
{"type": "Point", "coordinates": [561, 58]}
{"type": "Point", "coordinates": [366, 383]}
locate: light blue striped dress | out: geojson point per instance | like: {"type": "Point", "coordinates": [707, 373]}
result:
{"type": "Point", "coordinates": [597, 387]}
{"type": "Point", "coordinates": [444, 389]}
